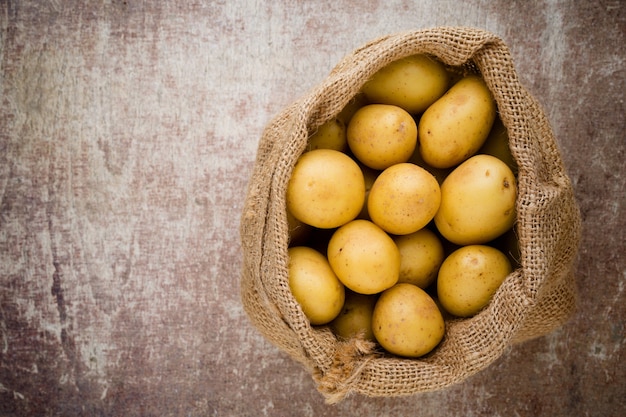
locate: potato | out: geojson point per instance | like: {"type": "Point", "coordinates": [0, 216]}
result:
{"type": "Point", "coordinates": [469, 277]}
{"type": "Point", "coordinates": [497, 144]}
{"type": "Point", "coordinates": [439, 173]}
{"type": "Point", "coordinates": [355, 318]}
{"type": "Point", "coordinates": [421, 255]}
{"type": "Point", "coordinates": [381, 135]}
{"type": "Point", "coordinates": [314, 285]}
{"type": "Point", "coordinates": [407, 322]}
{"type": "Point", "coordinates": [364, 257]}
{"type": "Point", "coordinates": [326, 189]}
{"type": "Point", "coordinates": [413, 83]}
{"type": "Point", "coordinates": [454, 127]}
{"type": "Point", "coordinates": [477, 201]}
{"type": "Point", "coordinates": [330, 135]}
{"type": "Point", "coordinates": [403, 199]}
{"type": "Point", "coordinates": [370, 176]}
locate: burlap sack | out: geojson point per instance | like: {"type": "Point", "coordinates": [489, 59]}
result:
{"type": "Point", "coordinates": [535, 299]}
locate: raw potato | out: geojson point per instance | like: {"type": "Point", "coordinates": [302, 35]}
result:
{"type": "Point", "coordinates": [469, 277]}
{"type": "Point", "coordinates": [407, 322]}
{"type": "Point", "coordinates": [370, 176]}
{"type": "Point", "coordinates": [439, 173]}
{"type": "Point", "coordinates": [364, 257]}
{"type": "Point", "coordinates": [477, 201]}
{"type": "Point", "coordinates": [381, 135]}
{"type": "Point", "coordinates": [421, 255]}
{"type": "Point", "coordinates": [355, 318]}
{"type": "Point", "coordinates": [497, 144]}
{"type": "Point", "coordinates": [403, 199]}
{"type": "Point", "coordinates": [314, 285]}
{"type": "Point", "coordinates": [413, 83]}
{"type": "Point", "coordinates": [330, 135]}
{"type": "Point", "coordinates": [360, 202]}
{"type": "Point", "coordinates": [454, 127]}
{"type": "Point", "coordinates": [326, 189]}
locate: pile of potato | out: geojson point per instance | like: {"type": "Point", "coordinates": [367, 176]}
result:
{"type": "Point", "coordinates": [401, 210]}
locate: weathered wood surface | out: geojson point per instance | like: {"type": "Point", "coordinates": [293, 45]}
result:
{"type": "Point", "coordinates": [127, 134]}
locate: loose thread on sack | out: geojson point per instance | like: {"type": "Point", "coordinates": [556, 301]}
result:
{"type": "Point", "coordinates": [351, 357]}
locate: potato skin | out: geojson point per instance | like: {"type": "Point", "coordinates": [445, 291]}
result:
{"type": "Point", "coordinates": [381, 135]}
{"type": "Point", "coordinates": [469, 277]}
{"type": "Point", "coordinates": [330, 135]}
{"type": "Point", "coordinates": [355, 318]}
{"type": "Point", "coordinates": [403, 199]}
{"type": "Point", "coordinates": [314, 285]}
{"type": "Point", "coordinates": [421, 255]}
{"type": "Point", "coordinates": [364, 257]}
{"type": "Point", "coordinates": [407, 321]}
{"type": "Point", "coordinates": [454, 127]}
{"type": "Point", "coordinates": [477, 201]}
{"type": "Point", "coordinates": [413, 83]}
{"type": "Point", "coordinates": [326, 189]}
{"type": "Point", "coordinates": [497, 144]}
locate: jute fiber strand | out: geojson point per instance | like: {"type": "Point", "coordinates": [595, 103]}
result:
{"type": "Point", "coordinates": [534, 299]}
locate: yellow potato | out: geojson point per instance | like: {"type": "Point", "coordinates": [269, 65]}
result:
{"type": "Point", "coordinates": [477, 201]}
{"type": "Point", "coordinates": [413, 83]}
{"type": "Point", "coordinates": [355, 318]}
{"type": "Point", "coordinates": [314, 285]}
{"type": "Point", "coordinates": [407, 322]}
{"type": "Point", "coordinates": [403, 199]}
{"type": "Point", "coordinates": [439, 173]}
{"type": "Point", "coordinates": [326, 189]}
{"type": "Point", "coordinates": [469, 277]}
{"type": "Point", "coordinates": [454, 127]}
{"type": "Point", "coordinates": [370, 176]}
{"type": "Point", "coordinates": [497, 144]}
{"type": "Point", "coordinates": [421, 255]}
{"type": "Point", "coordinates": [330, 135]}
{"type": "Point", "coordinates": [381, 135]}
{"type": "Point", "coordinates": [364, 257]}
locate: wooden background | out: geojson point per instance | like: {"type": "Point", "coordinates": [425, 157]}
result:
{"type": "Point", "coordinates": [128, 130]}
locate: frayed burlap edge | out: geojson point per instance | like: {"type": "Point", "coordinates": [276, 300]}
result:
{"type": "Point", "coordinates": [534, 300]}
